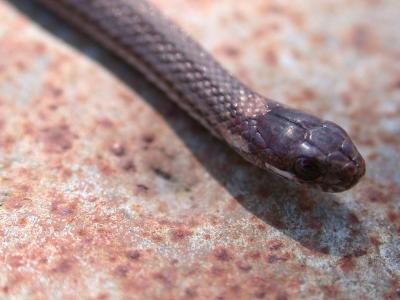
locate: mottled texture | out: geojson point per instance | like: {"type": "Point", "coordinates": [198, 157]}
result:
{"type": "Point", "coordinates": [109, 191]}
{"type": "Point", "coordinates": [289, 143]}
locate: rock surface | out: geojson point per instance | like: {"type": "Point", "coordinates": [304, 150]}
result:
{"type": "Point", "coordinates": [108, 191]}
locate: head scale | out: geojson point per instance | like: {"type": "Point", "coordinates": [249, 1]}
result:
{"type": "Point", "coordinates": [309, 150]}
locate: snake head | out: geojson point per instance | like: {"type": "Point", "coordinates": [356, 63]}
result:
{"type": "Point", "coordinates": [328, 158]}
{"type": "Point", "coordinates": [307, 149]}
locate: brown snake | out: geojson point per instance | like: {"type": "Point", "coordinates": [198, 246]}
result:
{"type": "Point", "coordinates": [290, 143]}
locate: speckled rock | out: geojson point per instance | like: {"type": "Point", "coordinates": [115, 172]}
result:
{"type": "Point", "coordinates": [109, 191]}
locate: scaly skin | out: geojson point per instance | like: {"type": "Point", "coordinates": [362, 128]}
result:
{"type": "Point", "coordinates": [291, 143]}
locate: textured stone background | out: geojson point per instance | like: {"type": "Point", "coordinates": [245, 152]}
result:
{"type": "Point", "coordinates": [107, 190]}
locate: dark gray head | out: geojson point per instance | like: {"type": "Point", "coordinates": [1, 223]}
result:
{"type": "Point", "coordinates": [308, 149]}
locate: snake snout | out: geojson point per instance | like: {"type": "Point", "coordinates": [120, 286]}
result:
{"type": "Point", "coordinates": [349, 175]}
{"type": "Point", "coordinates": [346, 167]}
{"type": "Point", "coordinates": [354, 171]}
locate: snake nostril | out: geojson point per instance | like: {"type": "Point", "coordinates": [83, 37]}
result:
{"type": "Point", "coordinates": [350, 169]}
{"type": "Point", "coordinates": [351, 173]}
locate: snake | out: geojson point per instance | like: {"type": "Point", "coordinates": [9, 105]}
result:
{"type": "Point", "coordinates": [283, 140]}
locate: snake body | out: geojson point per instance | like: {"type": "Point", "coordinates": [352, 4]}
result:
{"type": "Point", "coordinates": [288, 142]}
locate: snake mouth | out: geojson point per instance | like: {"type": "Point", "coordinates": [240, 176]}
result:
{"type": "Point", "coordinates": [281, 173]}
{"type": "Point", "coordinates": [337, 182]}
{"type": "Point", "coordinates": [349, 176]}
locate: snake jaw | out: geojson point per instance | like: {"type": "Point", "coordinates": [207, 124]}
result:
{"type": "Point", "coordinates": [281, 173]}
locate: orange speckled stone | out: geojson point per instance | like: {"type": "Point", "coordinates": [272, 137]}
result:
{"type": "Point", "coordinates": [109, 191]}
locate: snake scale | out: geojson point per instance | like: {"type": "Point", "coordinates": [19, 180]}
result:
{"type": "Point", "coordinates": [286, 141]}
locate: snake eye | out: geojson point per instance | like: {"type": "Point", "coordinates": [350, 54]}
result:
{"type": "Point", "coordinates": [307, 169]}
